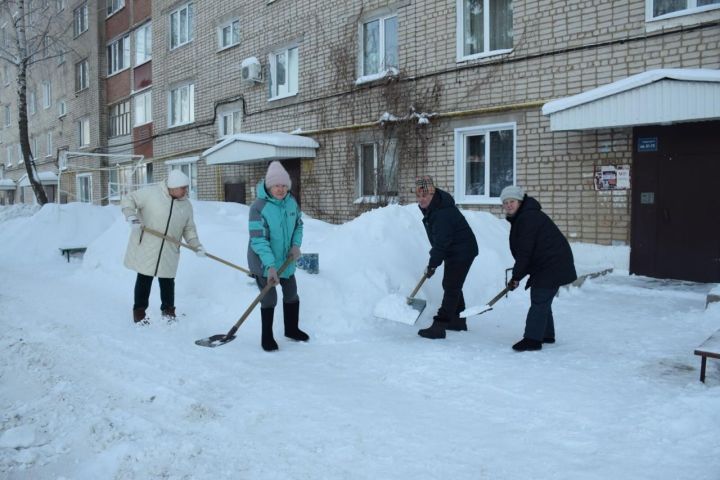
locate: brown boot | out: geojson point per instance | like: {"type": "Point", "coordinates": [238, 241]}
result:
{"type": "Point", "coordinates": [139, 316]}
{"type": "Point", "coordinates": [168, 314]}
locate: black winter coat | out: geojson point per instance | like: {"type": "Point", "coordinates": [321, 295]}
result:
{"type": "Point", "coordinates": [539, 248]}
{"type": "Point", "coordinates": [451, 238]}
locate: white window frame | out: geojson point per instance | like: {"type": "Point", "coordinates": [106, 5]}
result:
{"type": "Point", "coordinates": [82, 77]}
{"type": "Point", "coordinates": [84, 178]}
{"type": "Point", "coordinates": [60, 5]}
{"type": "Point", "coordinates": [62, 108]}
{"type": "Point", "coordinates": [47, 94]}
{"type": "Point", "coordinates": [80, 19]}
{"type": "Point", "coordinates": [143, 44]}
{"type": "Point", "coordinates": [142, 108]}
{"type": "Point", "coordinates": [229, 122]}
{"type": "Point", "coordinates": [176, 99]}
{"type": "Point", "coordinates": [49, 143]}
{"type": "Point", "coordinates": [181, 32]}
{"type": "Point", "coordinates": [9, 152]}
{"type": "Point", "coordinates": [83, 132]}
{"type": "Point", "coordinates": [118, 55]}
{"type": "Point", "coordinates": [289, 87]}
{"type": "Point", "coordinates": [34, 150]}
{"type": "Point", "coordinates": [382, 53]}
{"type": "Point", "coordinates": [8, 116]}
{"type": "Point", "coordinates": [690, 9]}
{"type": "Point", "coordinates": [114, 5]}
{"type": "Point", "coordinates": [188, 166]}
{"type": "Point", "coordinates": [461, 135]}
{"type": "Point", "coordinates": [31, 102]}
{"type": "Point", "coordinates": [460, 29]}
{"type": "Point", "coordinates": [229, 27]}
{"type": "Point", "coordinates": [19, 154]}
{"type": "Point", "coordinates": [391, 156]}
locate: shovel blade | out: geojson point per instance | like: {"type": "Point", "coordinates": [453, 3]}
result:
{"type": "Point", "coordinates": [417, 304]}
{"type": "Point", "coordinates": [215, 340]}
{"type": "Point", "coordinates": [476, 310]}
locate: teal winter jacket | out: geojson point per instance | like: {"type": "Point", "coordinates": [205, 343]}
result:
{"type": "Point", "coordinates": [275, 226]}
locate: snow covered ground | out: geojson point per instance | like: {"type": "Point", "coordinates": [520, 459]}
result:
{"type": "Point", "coordinates": [85, 394]}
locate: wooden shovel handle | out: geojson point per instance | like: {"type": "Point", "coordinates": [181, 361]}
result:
{"type": "Point", "coordinates": [178, 242]}
{"type": "Point", "coordinates": [417, 287]}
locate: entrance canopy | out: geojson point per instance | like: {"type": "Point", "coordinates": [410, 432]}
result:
{"type": "Point", "coordinates": [653, 97]}
{"type": "Point", "coordinates": [45, 178]}
{"type": "Point", "coordinates": [256, 147]}
{"type": "Point", "coordinates": [7, 184]}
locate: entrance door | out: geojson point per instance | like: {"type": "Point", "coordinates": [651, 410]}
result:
{"type": "Point", "coordinates": [675, 202]}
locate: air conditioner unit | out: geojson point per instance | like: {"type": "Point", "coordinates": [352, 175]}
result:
{"type": "Point", "coordinates": [251, 71]}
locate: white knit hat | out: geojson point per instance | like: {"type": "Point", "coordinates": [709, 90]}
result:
{"type": "Point", "coordinates": [277, 175]}
{"type": "Point", "coordinates": [512, 191]}
{"type": "Point", "coordinates": [177, 179]}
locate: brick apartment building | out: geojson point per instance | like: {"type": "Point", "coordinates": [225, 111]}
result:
{"type": "Point", "coordinates": [606, 112]}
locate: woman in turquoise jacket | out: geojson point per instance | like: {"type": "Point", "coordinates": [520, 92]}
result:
{"type": "Point", "coordinates": [276, 231]}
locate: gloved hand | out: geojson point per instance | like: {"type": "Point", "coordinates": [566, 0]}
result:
{"type": "Point", "coordinates": [200, 252]}
{"type": "Point", "coordinates": [429, 271]}
{"type": "Point", "coordinates": [294, 252]}
{"type": "Point", "coordinates": [272, 276]}
{"type": "Point", "coordinates": [134, 222]}
{"type": "Point", "coordinates": [513, 284]}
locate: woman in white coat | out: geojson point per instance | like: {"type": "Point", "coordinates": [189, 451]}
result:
{"type": "Point", "coordinates": [163, 207]}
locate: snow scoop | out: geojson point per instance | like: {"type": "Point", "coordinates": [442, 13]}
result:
{"type": "Point", "coordinates": [178, 242]}
{"type": "Point", "coordinates": [221, 339]}
{"type": "Point", "coordinates": [480, 309]}
{"type": "Point", "coordinates": [407, 311]}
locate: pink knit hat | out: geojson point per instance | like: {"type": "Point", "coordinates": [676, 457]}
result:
{"type": "Point", "coordinates": [277, 175]}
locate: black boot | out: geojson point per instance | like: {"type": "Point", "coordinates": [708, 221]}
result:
{"type": "Point", "coordinates": [268, 341]}
{"type": "Point", "coordinates": [291, 314]}
{"type": "Point", "coordinates": [434, 331]}
{"type": "Point", "coordinates": [457, 324]}
{"type": "Point", "coordinates": [527, 344]}
{"type": "Point", "coordinates": [139, 316]}
{"type": "Point", "coordinates": [168, 314]}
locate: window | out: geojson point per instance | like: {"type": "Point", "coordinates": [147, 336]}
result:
{"type": "Point", "coordinates": [84, 187]}
{"type": "Point", "coordinates": [8, 115]}
{"type": "Point", "coordinates": [284, 73]}
{"type": "Point", "coordinates": [31, 102]}
{"type": "Point", "coordinates": [484, 27]}
{"type": "Point", "coordinates": [114, 5]}
{"type": "Point", "coordinates": [143, 44]}
{"type": "Point", "coordinates": [118, 55]}
{"type": "Point", "coordinates": [18, 152]}
{"type": "Point", "coordinates": [60, 5]}
{"type": "Point", "coordinates": [47, 94]}
{"type": "Point", "coordinates": [6, 75]}
{"type": "Point", "coordinates": [181, 26]}
{"type": "Point", "coordinates": [230, 123]}
{"type": "Point", "coordinates": [62, 110]}
{"type": "Point", "coordinates": [379, 44]}
{"type": "Point", "coordinates": [659, 8]}
{"type": "Point", "coordinates": [83, 132]}
{"type": "Point", "coordinates": [484, 162]}
{"type": "Point", "coordinates": [125, 178]}
{"type": "Point", "coordinates": [80, 19]}
{"type": "Point", "coordinates": [34, 151]}
{"type": "Point", "coordinates": [119, 121]}
{"type": "Point", "coordinates": [81, 75]}
{"type": "Point", "coordinates": [181, 108]}
{"type": "Point", "coordinates": [377, 170]}
{"type": "Point", "coordinates": [189, 168]}
{"type": "Point", "coordinates": [143, 108]}
{"type": "Point", "coordinates": [229, 34]}
{"type": "Point", "coordinates": [49, 143]}
{"type": "Point", "coordinates": [9, 152]}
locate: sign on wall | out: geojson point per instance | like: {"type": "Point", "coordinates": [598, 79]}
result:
{"type": "Point", "coordinates": [612, 177]}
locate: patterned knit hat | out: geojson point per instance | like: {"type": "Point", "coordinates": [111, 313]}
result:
{"type": "Point", "coordinates": [424, 185]}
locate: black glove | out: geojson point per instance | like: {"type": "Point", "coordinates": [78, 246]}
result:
{"type": "Point", "coordinates": [429, 271]}
{"type": "Point", "coordinates": [513, 284]}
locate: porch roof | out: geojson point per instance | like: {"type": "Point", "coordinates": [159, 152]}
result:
{"type": "Point", "coordinates": [256, 147]}
{"type": "Point", "coordinates": [7, 184]}
{"type": "Point", "coordinates": [45, 178]}
{"type": "Point", "coordinates": [653, 97]}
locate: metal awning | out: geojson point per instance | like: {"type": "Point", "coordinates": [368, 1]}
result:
{"type": "Point", "coordinates": [7, 184]}
{"type": "Point", "coordinates": [653, 97]}
{"type": "Point", "coordinates": [257, 147]}
{"type": "Point", "coordinates": [45, 178]}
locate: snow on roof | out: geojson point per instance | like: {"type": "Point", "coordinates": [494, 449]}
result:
{"type": "Point", "coordinates": [629, 83]}
{"type": "Point", "coordinates": [7, 182]}
{"type": "Point", "coordinates": [276, 139]}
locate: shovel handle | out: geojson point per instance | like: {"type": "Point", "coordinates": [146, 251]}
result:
{"type": "Point", "coordinates": [257, 300]}
{"type": "Point", "coordinates": [417, 287]}
{"type": "Point", "coordinates": [178, 242]}
{"type": "Point", "coordinates": [498, 296]}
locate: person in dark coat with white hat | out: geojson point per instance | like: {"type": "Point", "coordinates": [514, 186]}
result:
{"type": "Point", "coordinates": [542, 252]}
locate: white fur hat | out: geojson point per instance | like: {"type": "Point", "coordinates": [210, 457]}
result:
{"type": "Point", "coordinates": [177, 179]}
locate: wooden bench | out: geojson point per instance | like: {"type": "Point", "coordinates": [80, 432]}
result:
{"type": "Point", "coordinates": [709, 348]}
{"type": "Point", "coordinates": [67, 251]}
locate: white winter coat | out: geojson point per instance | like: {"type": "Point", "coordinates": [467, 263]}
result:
{"type": "Point", "coordinates": [156, 209]}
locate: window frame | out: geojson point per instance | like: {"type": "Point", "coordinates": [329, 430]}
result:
{"type": "Point", "coordinates": [47, 94]}
{"type": "Point", "coordinates": [190, 107]}
{"type": "Point", "coordinates": [7, 112]}
{"type": "Point", "coordinates": [145, 32]}
{"type": "Point", "coordinates": [189, 167]}
{"type": "Point", "coordinates": [118, 55]}
{"type": "Point", "coordinates": [221, 30]}
{"type": "Point", "coordinates": [690, 9]}
{"type": "Point", "coordinates": [112, 8]}
{"type": "Point", "coordinates": [82, 77]}
{"type": "Point", "coordinates": [223, 122]}
{"type": "Point", "coordinates": [83, 131]}
{"type": "Point", "coordinates": [80, 20]}
{"type": "Point", "coordinates": [49, 143]}
{"type": "Point", "coordinates": [80, 191]}
{"type": "Point", "coordinates": [290, 87]}
{"type": "Point", "coordinates": [461, 134]}
{"type": "Point", "coordinates": [119, 119]}
{"type": "Point", "coordinates": [382, 45]}
{"type": "Point", "coordinates": [391, 152]}
{"type": "Point", "coordinates": [146, 97]}
{"type": "Point", "coordinates": [189, 23]}
{"type": "Point", "coordinates": [487, 31]}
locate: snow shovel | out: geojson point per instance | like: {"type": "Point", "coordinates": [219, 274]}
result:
{"type": "Point", "coordinates": [480, 309]}
{"type": "Point", "coordinates": [221, 339]}
{"type": "Point", "coordinates": [394, 307]}
{"type": "Point", "coordinates": [178, 242]}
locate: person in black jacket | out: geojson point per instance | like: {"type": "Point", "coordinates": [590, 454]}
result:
{"type": "Point", "coordinates": [541, 251]}
{"type": "Point", "coordinates": [451, 241]}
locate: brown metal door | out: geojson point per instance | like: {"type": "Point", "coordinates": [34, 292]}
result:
{"type": "Point", "coordinates": [678, 236]}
